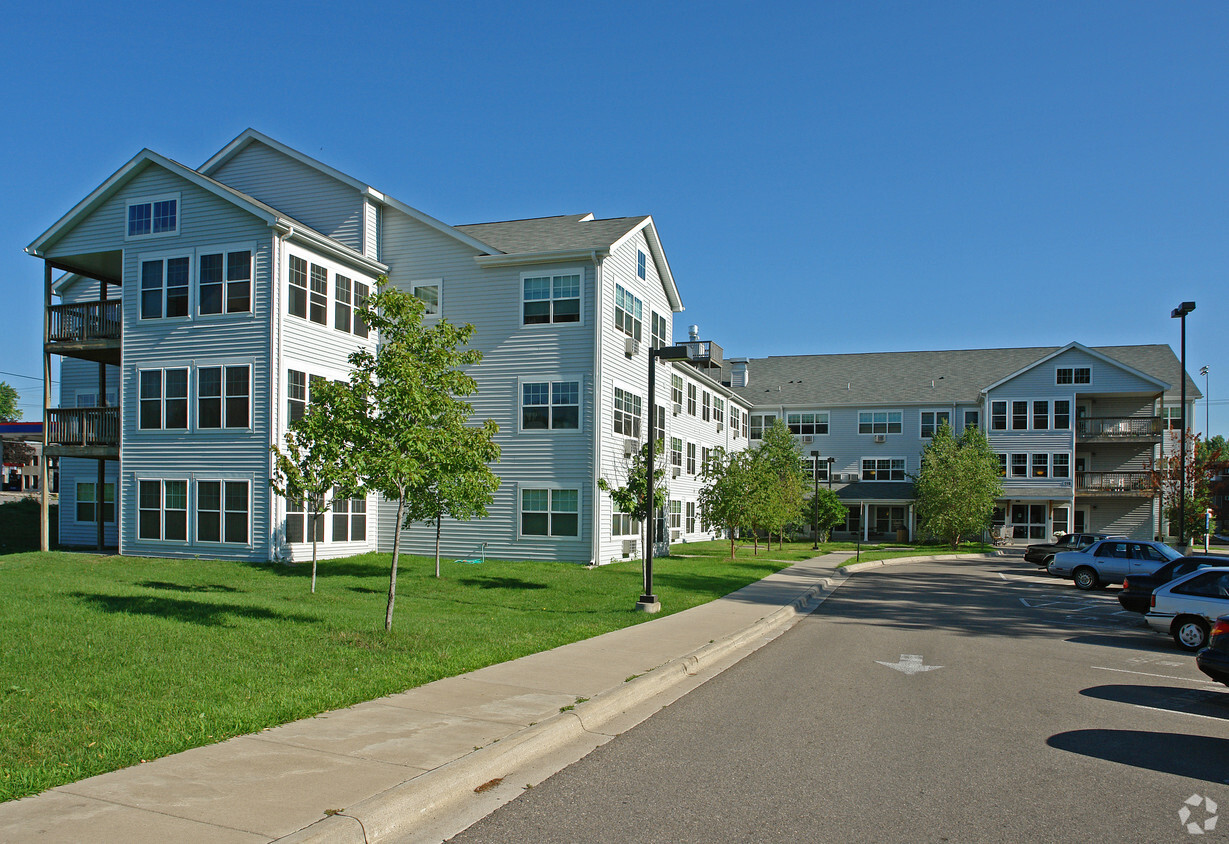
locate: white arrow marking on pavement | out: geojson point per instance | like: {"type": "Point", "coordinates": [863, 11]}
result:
{"type": "Point", "coordinates": [909, 664]}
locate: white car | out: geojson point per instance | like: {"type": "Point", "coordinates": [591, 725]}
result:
{"type": "Point", "coordinates": [1187, 607]}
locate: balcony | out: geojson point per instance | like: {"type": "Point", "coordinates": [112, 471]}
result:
{"type": "Point", "coordinates": [83, 432]}
{"type": "Point", "coordinates": [1119, 428]}
{"type": "Point", "coordinates": [88, 330]}
{"type": "Point", "coordinates": [1114, 484]}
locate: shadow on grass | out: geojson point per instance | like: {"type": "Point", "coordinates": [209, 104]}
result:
{"type": "Point", "coordinates": [189, 612]}
{"type": "Point", "coordinates": [352, 567]}
{"type": "Point", "coordinates": [500, 583]}
{"type": "Point", "coordinates": [183, 587]}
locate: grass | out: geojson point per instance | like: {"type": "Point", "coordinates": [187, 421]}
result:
{"type": "Point", "coordinates": [796, 551]}
{"type": "Point", "coordinates": [109, 661]}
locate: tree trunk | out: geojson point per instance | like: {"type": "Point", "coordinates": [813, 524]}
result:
{"type": "Point", "coordinates": [392, 575]}
{"type": "Point", "coordinates": [437, 544]}
{"type": "Point", "coordinates": [732, 543]}
{"type": "Point", "coordinates": [313, 530]}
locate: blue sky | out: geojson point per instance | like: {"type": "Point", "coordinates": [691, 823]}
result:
{"type": "Point", "coordinates": [833, 177]}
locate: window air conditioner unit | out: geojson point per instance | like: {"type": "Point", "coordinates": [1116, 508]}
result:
{"type": "Point", "coordinates": [629, 547]}
{"type": "Point", "coordinates": [720, 427]}
{"type": "Point", "coordinates": [808, 439]}
{"type": "Point", "coordinates": [676, 534]}
{"type": "Point", "coordinates": [631, 346]}
{"type": "Point", "coordinates": [880, 438]}
{"type": "Point", "coordinates": [677, 471]}
{"type": "Point", "coordinates": [629, 447]}
{"type": "Point", "coordinates": [678, 408]}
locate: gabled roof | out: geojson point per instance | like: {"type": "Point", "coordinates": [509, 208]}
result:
{"type": "Point", "coordinates": [249, 136]}
{"type": "Point", "coordinates": [1156, 382]}
{"type": "Point", "coordinates": [939, 377]}
{"type": "Point", "coordinates": [574, 233]}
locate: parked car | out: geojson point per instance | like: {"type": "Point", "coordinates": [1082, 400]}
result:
{"type": "Point", "coordinates": [1110, 560]}
{"type": "Point", "coordinates": [1042, 554]}
{"type": "Point", "coordinates": [1186, 607]}
{"type": "Point", "coordinates": [1214, 659]}
{"type": "Point", "coordinates": [1136, 594]}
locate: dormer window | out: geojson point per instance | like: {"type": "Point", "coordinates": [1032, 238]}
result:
{"type": "Point", "coordinates": [1073, 375]}
{"type": "Point", "coordinates": [155, 216]}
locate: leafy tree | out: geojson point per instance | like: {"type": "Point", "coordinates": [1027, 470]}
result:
{"type": "Point", "coordinates": [9, 412]}
{"type": "Point", "coordinates": [1205, 461]}
{"type": "Point", "coordinates": [726, 496]}
{"type": "Point", "coordinates": [827, 511]}
{"type": "Point", "coordinates": [318, 457]}
{"type": "Point", "coordinates": [782, 480]}
{"type": "Point", "coordinates": [957, 485]}
{"type": "Point", "coordinates": [406, 411]}
{"type": "Point", "coordinates": [458, 482]}
{"type": "Point", "coordinates": [633, 496]}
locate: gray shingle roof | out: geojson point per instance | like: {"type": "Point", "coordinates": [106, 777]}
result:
{"type": "Point", "coordinates": [940, 377]}
{"type": "Point", "coordinates": [552, 234]}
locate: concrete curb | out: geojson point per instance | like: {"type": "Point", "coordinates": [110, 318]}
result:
{"type": "Point", "coordinates": [896, 561]}
{"type": "Point", "coordinates": [399, 810]}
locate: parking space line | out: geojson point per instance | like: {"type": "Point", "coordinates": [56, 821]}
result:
{"type": "Point", "coordinates": [1177, 712]}
{"type": "Point", "coordinates": [1146, 674]}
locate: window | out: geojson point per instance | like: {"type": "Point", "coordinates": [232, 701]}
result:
{"type": "Point", "coordinates": [1041, 416]}
{"type": "Point", "coordinates": [1062, 415]}
{"type": "Point", "coordinates": [933, 420]}
{"type": "Point", "coordinates": [628, 310]}
{"type": "Point", "coordinates": [818, 469]}
{"type": "Point", "coordinates": [295, 519]}
{"type": "Point", "coordinates": [550, 405]}
{"type": "Point", "coordinates": [691, 458]}
{"type": "Point", "coordinates": [880, 422]}
{"type": "Point", "coordinates": [761, 423]}
{"type": "Point", "coordinates": [1062, 465]}
{"type": "Point", "coordinates": [1060, 518]}
{"type": "Point", "coordinates": [238, 391]}
{"type": "Point", "coordinates": [361, 291]}
{"type": "Point", "coordinates": [626, 413]}
{"type": "Point", "coordinates": [341, 516]}
{"type": "Point", "coordinates": [87, 500]}
{"type": "Point", "coordinates": [155, 216]}
{"type": "Point", "coordinates": [676, 389]}
{"type": "Point", "coordinates": [296, 395]}
{"type": "Point", "coordinates": [222, 511]}
{"type": "Point", "coordinates": [718, 410]}
{"type": "Point", "coordinates": [641, 262]}
{"type": "Point", "coordinates": [970, 419]}
{"type": "Point", "coordinates": [661, 422]}
{"type": "Point", "coordinates": [551, 298]}
{"type": "Point", "coordinates": [222, 396]}
{"type": "Point", "coordinates": [209, 397]}
{"type": "Point", "coordinates": [297, 302]}
{"type": "Point", "coordinates": [998, 416]}
{"type": "Point", "coordinates": [676, 514]}
{"type": "Point", "coordinates": [550, 512]}
{"type": "Point", "coordinates": [1041, 465]}
{"type": "Point", "coordinates": [1019, 465]}
{"type": "Point", "coordinates": [623, 524]}
{"type": "Point", "coordinates": [429, 294]}
{"type": "Point", "coordinates": [1172, 418]}
{"type": "Point", "coordinates": [162, 510]}
{"type": "Point", "coordinates": [1073, 375]}
{"type": "Point", "coordinates": [1019, 416]}
{"type": "Point", "coordinates": [1002, 465]}
{"type": "Point", "coordinates": [691, 399]}
{"type": "Point", "coordinates": [704, 456]}
{"type": "Point", "coordinates": [676, 452]}
{"type": "Point", "coordinates": [342, 305]}
{"type": "Point", "coordinates": [358, 519]}
{"type": "Point", "coordinates": [807, 423]}
{"type": "Point", "coordinates": [164, 287]}
{"type": "Point", "coordinates": [883, 468]}
{"type": "Point", "coordinates": [163, 399]}
{"type": "Point", "coordinates": [691, 517]}
{"type": "Point", "coordinates": [745, 424]}
{"type": "Point", "coordinates": [225, 282]}
{"type": "Point", "coordinates": [706, 405]}
{"type": "Point", "coordinates": [319, 301]}
{"type": "Point", "coordinates": [661, 333]}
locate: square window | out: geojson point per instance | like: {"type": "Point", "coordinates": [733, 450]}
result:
{"type": "Point", "coordinates": [550, 299]}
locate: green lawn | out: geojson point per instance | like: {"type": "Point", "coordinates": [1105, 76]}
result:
{"type": "Point", "coordinates": [108, 661]}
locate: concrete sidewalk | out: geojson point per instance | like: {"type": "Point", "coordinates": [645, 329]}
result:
{"type": "Point", "coordinates": [393, 767]}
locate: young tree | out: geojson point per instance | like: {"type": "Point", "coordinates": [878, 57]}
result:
{"type": "Point", "coordinates": [318, 458]}
{"type": "Point", "coordinates": [9, 412]}
{"type": "Point", "coordinates": [957, 485]}
{"type": "Point", "coordinates": [1204, 461]}
{"type": "Point", "coordinates": [827, 511]}
{"type": "Point", "coordinates": [406, 405]}
{"type": "Point", "coordinates": [726, 497]}
{"type": "Point", "coordinates": [781, 496]}
{"type": "Point", "coordinates": [633, 496]}
{"type": "Point", "coordinates": [458, 482]}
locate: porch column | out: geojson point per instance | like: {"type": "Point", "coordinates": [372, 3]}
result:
{"type": "Point", "coordinates": [44, 504]}
{"type": "Point", "coordinates": [866, 535]}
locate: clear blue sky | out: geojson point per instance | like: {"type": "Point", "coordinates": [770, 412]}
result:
{"type": "Point", "coordinates": [832, 177]}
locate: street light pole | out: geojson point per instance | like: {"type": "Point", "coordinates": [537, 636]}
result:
{"type": "Point", "coordinates": [1207, 405]}
{"type": "Point", "coordinates": [815, 500]}
{"type": "Point", "coordinates": [1180, 313]}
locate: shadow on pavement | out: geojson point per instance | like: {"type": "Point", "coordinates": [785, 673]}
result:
{"type": "Point", "coordinates": [1194, 756]}
{"type": "Point", "coordinates": [1206, 702]}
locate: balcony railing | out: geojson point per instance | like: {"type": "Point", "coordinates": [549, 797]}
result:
{"type": "Point", "coordinates": [83, 426]}
{"type": "Point", "coordinates": [1119, 427]}
{"type": "Point", "coordinates": [81, 321]}
{"type": "Point", "coordinates": [1114, 483]}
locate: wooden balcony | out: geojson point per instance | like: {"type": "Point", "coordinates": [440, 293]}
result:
{"type": "Point", "coordinates": [1119, 428]}
{"type": "Point", "coordinates": [83, 432]}
{"type": "Point", "coordinates": [1134, 484]}
{"type": "Point", "coordinates": [89, 330]}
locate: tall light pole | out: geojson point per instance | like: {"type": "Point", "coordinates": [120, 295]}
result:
{"type": "Point", "coordinates": [1180, 313]}
{"type": "Point", "coordinates": [1207, 405]}
{"type": "Point", "coordinates": [815, 500]}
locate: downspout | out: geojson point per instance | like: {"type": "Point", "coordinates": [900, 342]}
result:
{"type": "Point", "coordinates": [275, 377]}
{"type": "Point", "coordinates": [594, 493]}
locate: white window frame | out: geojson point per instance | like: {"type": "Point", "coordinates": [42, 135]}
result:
{"type": "Point", "coordinates": [150, 201]}
{"type": "Point", "coordinates": [550, 405]}
{"type": "Point", "coordinates": [1066, 465]}
{"type": "Point", "coordinates": [195, 399]}
{"type": "Point", "coordinates": [438, 284]}
{"type": "Point", "coordinates": [900, 423]}
{"type": "Point", "coordinates": [642, 265]}
{"type": "Point", "coordinates": [904, 468]}
{"type": "Point", "coordinates": [162, 397]}
{"type": "Point", "coordinates": [162, 509]}
{"type": "Point", "coordinates": [1006, 415]}
{"type": "Point", "coordinates": [1073, 369]}
{"type": "Point", "coordinates": [1018, 465]}
{"type": "Point", "coordinates": [629, 322]}
{"type": "Point", "coordinates": [225, 251]}
{"type": "Point", "coordinates": [797, 419]}
{"type": "Point", "coordinates": [976, 414]}
{"type": "Point", "coordinates": [1039, 465]}
{"type": "Point", "coordinates": [551, 490]}
{"type": "Point", "coordinates": [195, 511]}
{"type": "Point", "coordinates": [163, 257]}
{"type": "Point", "coordinates": [935, 424]}
{"type": "Point", "coordinates": [552, 275]}
{"type": "Point", "coordinates": [93, 485]}
{"type": "Point", "coordinates": [622, 416]}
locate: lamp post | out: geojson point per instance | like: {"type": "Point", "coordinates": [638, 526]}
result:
{"type": "Point", "coordinates": [815, 501]}
{"type": "Point", "coordinates": [1180, 313]}
{"type": "Point", "coordinates": [1207, 405]}
{"type": "Point", "coordinates": [831, 460]}
{"type": "Point", "coordinates": [648, 601]}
